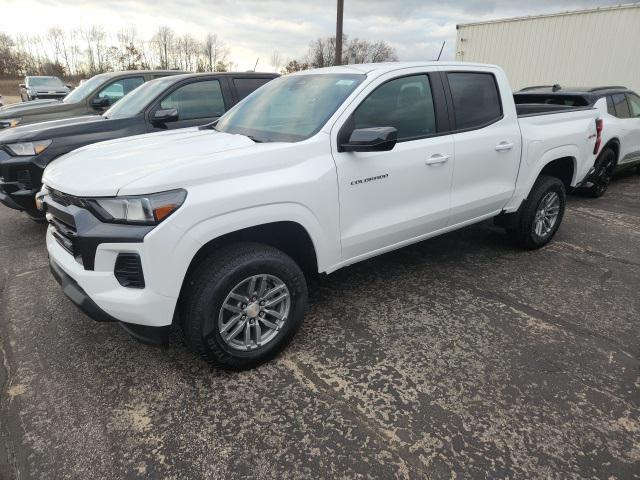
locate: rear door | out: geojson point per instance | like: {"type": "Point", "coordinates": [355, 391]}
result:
{"type": "Point", "coordinates": [634, 134]}
{"type": "Point", "coordinates": [198, 102]}
{"type": "Point", "coordinates": [244, 86]}
{"type": "Point", "coordinates": [487, 143]}
{"type": "Point", "coordinates": [390, 198]}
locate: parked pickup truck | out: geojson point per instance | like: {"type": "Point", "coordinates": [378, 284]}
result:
{"type": "Point", "coordinates": [91, 98]}
{"type": "Point", "coordinates": [213, 227]}
{"type": "Point", "coordinates": [167, 103]}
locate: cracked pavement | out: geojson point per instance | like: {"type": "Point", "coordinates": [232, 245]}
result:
{"type": "Point", "coordinates": [459, 357]}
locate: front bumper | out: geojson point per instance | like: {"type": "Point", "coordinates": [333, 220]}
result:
{"type": "Point", "coordinates": [20, 180]}
{"type": "Point", "coordinates": [100, 286]}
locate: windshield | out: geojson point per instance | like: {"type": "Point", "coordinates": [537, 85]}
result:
{"type": "Point", "coordinates": [80, 93]}
{"type": "Point", "coordinates": [47, 82]}
{"type": "Point", "coordinates": [136, 101]}
{"type": "Point", "coordinates": [289, 109]}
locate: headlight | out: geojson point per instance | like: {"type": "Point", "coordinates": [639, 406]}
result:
{"type": "Point", "coordinates": [146, 210]}
{"type": "Point", "coordinates": [29, 148]}
{"type": "Point", "coordinates": [10, 122]}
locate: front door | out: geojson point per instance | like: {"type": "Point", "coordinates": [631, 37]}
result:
{"type": "Point", "coordinates": [197, 103]}
{"type": "Point", "coordinates": [633, 150]}
{"type": "Point", "coordinates": [389, 198]}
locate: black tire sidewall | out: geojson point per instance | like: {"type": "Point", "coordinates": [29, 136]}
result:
{"type": "Point", "coordinates": [546, 186]}
{"type": "Point", "coordinates": [215, 290]}
{"type": "Point", "coordinates": [597, 190]}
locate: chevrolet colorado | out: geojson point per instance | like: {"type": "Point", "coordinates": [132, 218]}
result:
{"type": "Point", "coordinates": [214, 228]}
{"type": "Point", "coordinates": [175, 101]}
{"type": "Point", "coordinates": [42, 88]}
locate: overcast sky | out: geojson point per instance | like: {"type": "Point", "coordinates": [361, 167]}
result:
{"type": "Point", "coordinates": [255, 28]}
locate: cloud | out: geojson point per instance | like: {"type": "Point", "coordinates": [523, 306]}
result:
{"type": "Point", "coordinates": [255, 28]}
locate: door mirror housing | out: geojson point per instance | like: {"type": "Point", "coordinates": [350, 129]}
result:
{"type": "Point", "coordinates": [165, 116]}
{"type": "Point", "coordinates": [101, 102]}
{"type": "Point", "coordinates": [22, 85]}
{"type": "Point", "coordinates": [70, 87]}
{"type": "Point", "coordinates": [376, 139]}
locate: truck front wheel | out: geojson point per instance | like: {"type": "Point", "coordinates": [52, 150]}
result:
{"type": "Point", "coordinates": [242, 305]}
{"type": "Point", "coordinates": [540, 215]}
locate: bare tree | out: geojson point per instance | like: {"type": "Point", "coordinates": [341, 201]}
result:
{"type": "Point", "coordinates": [163, 39]}
{"type": "Point", "coordinates": [321, 52]}
{"type": "Point", "coordinates": [276, 60]}
{"type": "Point", "coordinates": [215, 51]}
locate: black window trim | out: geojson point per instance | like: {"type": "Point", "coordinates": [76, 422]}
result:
{"type": "Point", "coordinates": [452, 116]}
{"type": "Point", "coordinates": [224, 88]}
{"type": "Point", "coordinates": [439, 106]}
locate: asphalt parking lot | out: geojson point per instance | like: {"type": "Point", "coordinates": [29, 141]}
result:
{"type": "Point", "coordinates": [460, 357]}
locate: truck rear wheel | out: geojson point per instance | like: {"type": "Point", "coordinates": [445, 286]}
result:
{"type": "Point", "coordinates": [540, 215]}
{"type": "Point", "coordinates": [242, 305]}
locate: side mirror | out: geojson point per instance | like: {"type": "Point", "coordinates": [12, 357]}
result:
{"type": "Point", "coordinates": [70, 87]}
{"type": "Point", "coordinates": [165, 116]}
{"type": "Point", "coordinates": [22, 85]}
{"type": "Point", "coordinates": [101, 102]}
{"type": "Point", "coordinates": [376, 139]}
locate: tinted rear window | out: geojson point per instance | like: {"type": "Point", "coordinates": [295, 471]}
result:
{"type": "Point", "coordinates": [567, 100]}
{"type": "Point", "coordinates": [476, 100]}
{"type": "Point", "coordinates": [245, 86]}
{"type": "Point", "coordinates": [622, 107]}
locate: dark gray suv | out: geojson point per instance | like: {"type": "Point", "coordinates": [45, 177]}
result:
{"type": "Point", "coordinates": [43, 88]}
{"type": "Point", "coordinates": [93, 97]}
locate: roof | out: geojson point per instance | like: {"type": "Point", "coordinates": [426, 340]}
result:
{"type": "Point", "coordinates": [380, 68]}
{"type": "Point", "coordinates": [548, 15]}
{"type": "Point", "coordinates": [585, 91]}
{"type": "Point", "coordinates": [141, 72]}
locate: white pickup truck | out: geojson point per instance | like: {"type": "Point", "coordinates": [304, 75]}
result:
{"type": "Point", "coordinates": [213, 227]}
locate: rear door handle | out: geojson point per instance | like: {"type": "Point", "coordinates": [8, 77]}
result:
{"type": "Point", "coordinates": [504, 146]}
{"type": "Point", "coordinates": [437, 159]}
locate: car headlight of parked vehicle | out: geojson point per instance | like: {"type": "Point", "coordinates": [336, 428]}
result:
{"type": "Point", "coordinates": [10, 122]}
{"type": "Point", "coordinates": [29, 148]}
{"type": "Point", "coordinates": [139, 210]}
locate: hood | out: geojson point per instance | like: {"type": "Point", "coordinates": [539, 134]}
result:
{"type": "Point", "coordinates": [49, 130]}
{"type": "Point", "coordinates": [34, 107]}
{"type": "Point", "coordinates": [103, 169]}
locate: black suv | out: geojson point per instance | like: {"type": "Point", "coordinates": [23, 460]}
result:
{"type": "Point", "coordinates": [168, 103]}
{"type": "Point", "coordinates": [91, 97]}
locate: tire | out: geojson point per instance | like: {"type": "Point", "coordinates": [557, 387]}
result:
{"type": "Point", "coordinates": [604, 167]}
{"type": "Point", "coordinates": [209, 288]}
{"type": "Point", "coordinates": [524, 232]}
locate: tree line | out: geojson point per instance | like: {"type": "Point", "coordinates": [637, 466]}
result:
{"type": "Point", "coordinates": [86, 52]}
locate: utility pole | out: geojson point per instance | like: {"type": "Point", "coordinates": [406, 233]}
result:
{"type": "Point", "coordinates": [338, 60]}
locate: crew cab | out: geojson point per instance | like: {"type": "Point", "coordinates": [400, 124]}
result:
{"type": "Point", "coordinates": [214, 228]}
{"type": "Point", "coordinates": [91, 98]}
{"type": "Point", "coordinates": [42, 88]}
{"type": "Point", "coordinates": [171, 102]}
{"type": "Point", "coordinates": [620, 116]}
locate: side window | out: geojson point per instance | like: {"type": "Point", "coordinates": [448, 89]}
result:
{"type": "Point", "coordinates": [634, 103]}
{"type": "Point", "coordinates": [611, 108]}
{"type": "Point", "coordinates": [245, 86]}
{"type": "Point", "coordinates": [622, 107]}
{"type": "Point", "coordinates": [405, 103]}
{"type": "Point", "coordinates": [118, 89]}
{"type": "Point", "coordinates": [476, 100]}
{"type": "Point", "coordinates": [196, 100]}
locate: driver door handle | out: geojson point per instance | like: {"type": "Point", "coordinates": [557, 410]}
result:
{"type": "Point", "coordinates": [437, 159]}
{"type": "Point", "coordinates": [504, 146]}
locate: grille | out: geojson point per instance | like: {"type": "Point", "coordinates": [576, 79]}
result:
{"type": "Point", "coordinates": [24, 177]}
{"type": "Point", "coordinates": [128, 270]}
{"type": "Point", "coordinates": [64, 234]}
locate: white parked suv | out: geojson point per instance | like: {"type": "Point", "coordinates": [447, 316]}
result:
{"type": "Point", "coordinates": [619, 110]}
{"type": "Point", "coordinates": [214, 228]}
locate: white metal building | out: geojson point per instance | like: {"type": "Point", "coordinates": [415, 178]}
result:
{"type": "Point", "coordinates": [584, 48]}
